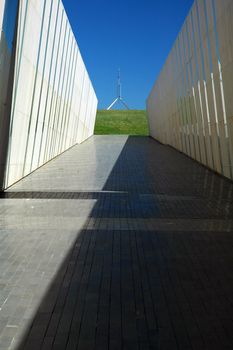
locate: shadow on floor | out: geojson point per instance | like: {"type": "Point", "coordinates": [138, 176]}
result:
{"type": "Point", "coordinates": [152, 267]}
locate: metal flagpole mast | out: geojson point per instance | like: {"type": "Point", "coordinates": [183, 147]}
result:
{"type": "Point", "coordinates": [119, 83]}
{"type": "Point", "coordinates": [119, 94]}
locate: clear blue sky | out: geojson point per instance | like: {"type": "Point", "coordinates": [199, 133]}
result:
{"type": "Point", "coordinates": [135, 35]}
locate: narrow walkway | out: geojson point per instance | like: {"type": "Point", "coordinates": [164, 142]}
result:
{"type": "Point", "coordinates": [119, 243]}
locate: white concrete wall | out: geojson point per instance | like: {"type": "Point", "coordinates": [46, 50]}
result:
{"type": "Point", "coordinates": [54, 103]}
{"type": "Point", "coordinates": [2, 5]}
{"type": "Point", "coordinates": [191, 104]}
{"type": "Point", "coordinates": [4, 61]}
{"type": "Point", "coordinates": [8, 16]}
{"type": "Point", "coordinates": [5, 57]}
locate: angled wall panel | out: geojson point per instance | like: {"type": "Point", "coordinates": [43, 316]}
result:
{"type": "Point", "coordinates": [54, 104]}
{"type": "Point", "coordinates": [8, 28]}
{"type": "Point", "coordinates": [191, 104]}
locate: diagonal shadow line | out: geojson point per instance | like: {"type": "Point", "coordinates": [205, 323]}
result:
{"type": "Point", "coordinates": [52, 327]}
{"type": "Point", "coordinates": [101, 297]}
{"type": "Point", "coordinates": [48, 319]}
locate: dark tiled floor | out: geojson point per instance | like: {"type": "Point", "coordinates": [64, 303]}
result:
{"type": "Point", "coordinates": [150, 263]}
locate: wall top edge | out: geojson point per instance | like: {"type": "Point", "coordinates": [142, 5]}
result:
{"type": "Point", "coordinates": [76, 40]}
{"type": "Point", "coordinates": [173, 45]}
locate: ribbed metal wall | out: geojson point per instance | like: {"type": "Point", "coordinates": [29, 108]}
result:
{"type": "Point", "coordinates": [191, 104]}
{"type": "Point", "coordinates": [54, 103]}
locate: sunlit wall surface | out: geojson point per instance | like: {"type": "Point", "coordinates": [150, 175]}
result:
{"type": "Point", "coordinates": [8, 28]}
{"type": "Point", "coordinates": [54, 104]}
{"type": "Point", "coordinates": [191, 104]}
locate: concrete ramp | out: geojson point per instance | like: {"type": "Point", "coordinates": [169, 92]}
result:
{"type": "Point", "coordinates": [118, 243]}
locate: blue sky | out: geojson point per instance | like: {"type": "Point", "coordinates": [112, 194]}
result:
{"type": "Point", "coordinates": [135, 35]}
{"type": "Point", "coordinates": [9, 21]}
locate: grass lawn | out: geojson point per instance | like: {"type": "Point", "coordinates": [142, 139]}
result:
{"type": "Point", "coordinates": [117, 122]}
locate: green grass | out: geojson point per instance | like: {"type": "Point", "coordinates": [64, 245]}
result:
{"type": "Point", "coordinates": [117, 122]}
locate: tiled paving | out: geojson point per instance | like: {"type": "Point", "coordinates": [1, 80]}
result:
{"type": "Point", "coordinates": [119, 243]}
